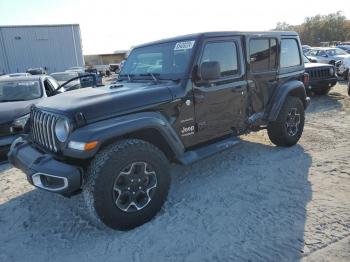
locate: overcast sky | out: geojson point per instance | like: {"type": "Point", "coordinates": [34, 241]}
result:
{"type": "Point", "coordinates": [112, 25]}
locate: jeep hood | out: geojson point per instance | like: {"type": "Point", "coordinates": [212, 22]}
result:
{"type": "Point", "coordinates": [108, 101]}
{"type": "Point", "coordinates": [314, 65]}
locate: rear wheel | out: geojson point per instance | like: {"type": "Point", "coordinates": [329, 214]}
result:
{"type": "Point", "coordinates": [289, 125]}
{"type": "Point", "coordinates": [127, 184]}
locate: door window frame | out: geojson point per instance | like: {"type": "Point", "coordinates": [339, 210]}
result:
{"type": "Point", "coordinates": [274, 70]}
{"type": "Point", "coordinates": [226, 79]}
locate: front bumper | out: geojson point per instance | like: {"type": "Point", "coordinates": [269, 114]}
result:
{"type": "Point", "coordinates": [319, 84]}
{"type": "Point", "coordinates": [43, 171]}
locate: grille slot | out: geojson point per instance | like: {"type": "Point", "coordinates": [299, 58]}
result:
{"type": "Point", "coordinates": [42, 129]}
{"type": "Point", "coordinates": [319, 73]}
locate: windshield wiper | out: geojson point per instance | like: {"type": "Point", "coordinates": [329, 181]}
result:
{"type": "Point", "coordinates": [153, 75]}
{"type": "Point", "coordinates": [129, 76]}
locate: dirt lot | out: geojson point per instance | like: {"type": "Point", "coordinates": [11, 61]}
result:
{"type": "Point", "coordinates": [254, 202]}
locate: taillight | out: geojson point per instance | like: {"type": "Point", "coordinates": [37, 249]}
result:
{"type": "Point", "coordinates": [306, 79]}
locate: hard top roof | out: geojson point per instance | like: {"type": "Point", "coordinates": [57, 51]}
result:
{"type": "Point", "coordinates": [220, 34]}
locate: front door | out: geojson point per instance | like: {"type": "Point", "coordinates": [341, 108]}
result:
{"type": "Point", "coordinates": [220, 104]}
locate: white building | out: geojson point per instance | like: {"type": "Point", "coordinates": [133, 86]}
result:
{"type": "Point", "coordinates": [54, 47]}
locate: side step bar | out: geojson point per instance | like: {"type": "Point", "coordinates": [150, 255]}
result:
{"type": "Point", "coordinates": [192, 156]}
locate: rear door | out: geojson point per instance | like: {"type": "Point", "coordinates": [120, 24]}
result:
{"type": "Point", "coordinates": [262, 56]}
{"type": "Point", "coordinates": [220, 104]}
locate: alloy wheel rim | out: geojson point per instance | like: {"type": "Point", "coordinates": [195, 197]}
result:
{"type": "Point", "coordinates": [134, 187]}
{"type": "Point", "coordinates": [293, 122]}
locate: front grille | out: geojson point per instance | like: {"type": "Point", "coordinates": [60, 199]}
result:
{"type": "Point", "coordinates": [318, 73]}
{"type": "Point", "coordinates": [43, 129]}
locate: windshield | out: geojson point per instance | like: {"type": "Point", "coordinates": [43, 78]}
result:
{"type": "Point", "coordinates": [19, 90]}
{"type": "Point", "coordinates": [336, 51]}
{"type": "Point", "coordinates": [64, 76]}
{"type": "Point", "coordinates": [165, 61]}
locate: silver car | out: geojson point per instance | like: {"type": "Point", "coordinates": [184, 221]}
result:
{"type": "Point", "coordinates": [329, 55]}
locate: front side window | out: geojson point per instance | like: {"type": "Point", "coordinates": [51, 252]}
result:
{"type": "Point", "coordinates": [290, 55]}
{"type": "Point", "coordinates": [263, 54]}
{"type": "Point", "coordinates": [166, 61]}
{"type": "Point", "coordinates": [223, 52]}
{"type": "Point", "coordinates": [19, 91]}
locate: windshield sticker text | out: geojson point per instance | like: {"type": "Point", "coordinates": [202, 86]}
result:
{"type": "Point", "coordinates": [184, 45]}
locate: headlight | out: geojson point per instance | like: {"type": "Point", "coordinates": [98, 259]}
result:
{"type": "Point", "coordinates": [331, 71]}
{"type": "Point", "coordinates": [21, 121]}
{"type": "Point", "coordinates": [62, 129]}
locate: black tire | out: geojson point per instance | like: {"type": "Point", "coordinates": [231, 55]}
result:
{"type": "Point", "coordinates": [102, 176]}
{"type": "Point", "coordinates": [277, 130]}
{"type": "Point", "coordinates": [322, 92]}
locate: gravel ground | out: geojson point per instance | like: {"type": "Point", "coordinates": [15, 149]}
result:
{"type": "Point", "coordinates": [254, 202]}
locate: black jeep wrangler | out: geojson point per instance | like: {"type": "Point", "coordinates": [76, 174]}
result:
{"type": "Point", "coordinates": [322, 77]}
{"type": "Point", "coordinates": [176, 100]}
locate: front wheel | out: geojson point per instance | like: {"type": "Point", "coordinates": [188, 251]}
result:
{"type": "Point", "coordinates": [289, 125]}
{"type": "Point", "coordinates": [127, 184]}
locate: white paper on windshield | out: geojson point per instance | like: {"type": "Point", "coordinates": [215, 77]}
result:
{"type": "Point", "coordinates": [184, 45]}
{"type": "Point", "coordinates": [26, 83]}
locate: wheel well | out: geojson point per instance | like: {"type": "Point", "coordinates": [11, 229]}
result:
{"type": "Point", "coordinates": [298, 93]}
{"type": "Point", "coordinates": [154, 137]}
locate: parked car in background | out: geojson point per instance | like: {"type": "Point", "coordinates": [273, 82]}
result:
{"type": "Point", "coordinates": [36, 71]}
{"type": "Point", "coordinates": [306, 48]}
{"type": "Point", "coordinates": [17, 95]}
{"type": "Point", "coordinates": [103, 70]}
{"type": "Point", "coordinates": [114, 67]}
{"type": "Point", "coordinates": [16, 75]}
{"type": "Point", "coordinates": [346, 48]}
{"type": "Point", "coordinates": [81, 80]}
{"type": "Point", "coordinates": [321, 77]}
{"type": "Point", "coordinates": [330, 55]}
{"type": "Point", "coordinates": [62, 77]}
{"type": "Point", "coordinates": [77, 69]}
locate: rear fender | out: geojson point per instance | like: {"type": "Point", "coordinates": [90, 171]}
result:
{"type": "Point", "coordinates": [291, 88]}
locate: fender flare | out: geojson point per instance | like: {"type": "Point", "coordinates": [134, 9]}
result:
{"type": "Point", "coordinates": [106, 130]}
{"type": "Point", "coordinates": [294, 88]}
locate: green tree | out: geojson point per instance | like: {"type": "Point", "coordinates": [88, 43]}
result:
{"type": "Point", "coordinates": [320, 28]}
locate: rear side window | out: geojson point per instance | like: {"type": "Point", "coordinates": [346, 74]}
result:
{"type": "Point", "coordinates": [290, 55]}
{"type": "Point", "coordinates": [263, 54]}
{"type": "Point", "coordinates": [225, 53]}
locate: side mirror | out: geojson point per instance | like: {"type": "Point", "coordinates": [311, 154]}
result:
{"type": "Point", "coordinates": [210, 70]}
